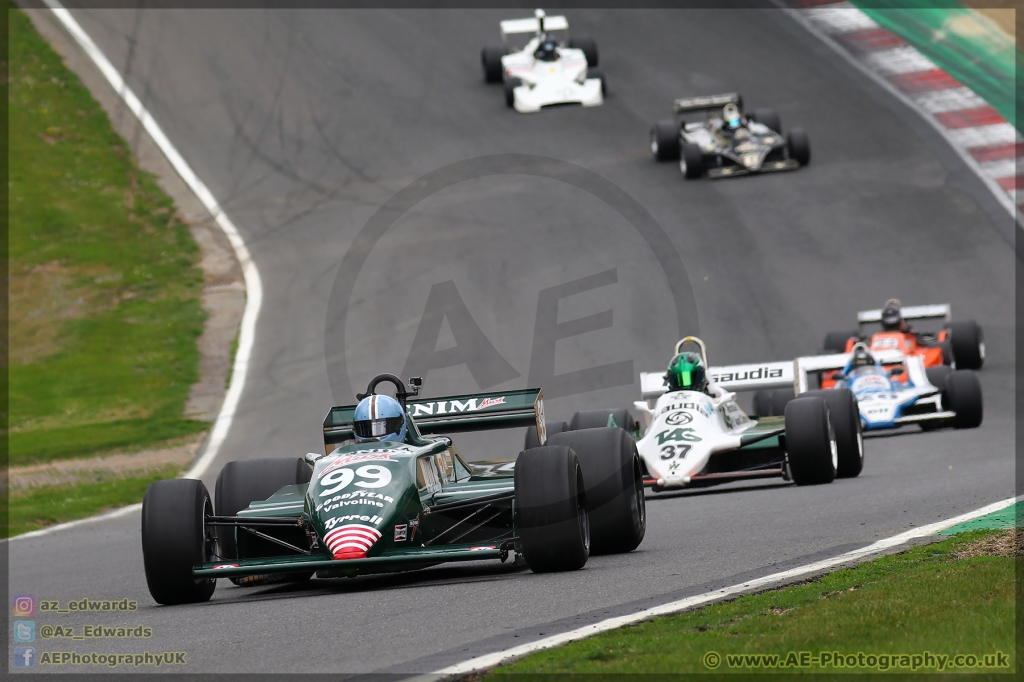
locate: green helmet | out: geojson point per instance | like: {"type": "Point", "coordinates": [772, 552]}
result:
{"type": "Point", "coordinates": [686, 372]}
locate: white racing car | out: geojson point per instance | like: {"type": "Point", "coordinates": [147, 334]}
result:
{"type": "Point", "coordinates": [695, 434]}
{"type": "Point", "coordinates": [547, 71]}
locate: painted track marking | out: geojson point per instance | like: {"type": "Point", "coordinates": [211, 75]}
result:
{"type": "Point", "coordinates": [253, 284]}
{"type": "Point", "coordinates": [491, 660]}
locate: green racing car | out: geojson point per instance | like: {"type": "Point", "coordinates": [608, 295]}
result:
{"type": "Point", "coordinates": [381, 506]}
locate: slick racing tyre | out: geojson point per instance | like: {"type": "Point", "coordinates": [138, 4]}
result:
{"type": "Point", "coordinates": [615, 487]}
{"type": "Point", "coordinates": [551, 509]}
{"type": "Point", "coordinates": [490, 60]}
{"type": "Point", "coordinates": [598, 74]}
{"type": "Point", "coordinates": [589, 48]}
{"type": "Point", "coordinates": [174, 540]}
{"type": "Point", "coordinates": [532, 441]}
{"type": "Point", "coordinates": [937, 377]}
{"type": "Point", "coordinates": [963, 396]}
{"type": "Point", "coordinates": [968, 344]}
{"type": "Point", "coordinates": [768, 117]}
{"type": "Point", "coordinates": [510, 86]}
{"type": "Point", "coordinates": [835, 342]}
{"type": "Point", "coordinates": [799, 146]}
{"type": "Point", "coordinates": [772, 403]}
{"type": "Point", "coordinates": [242, 481]}
{"type": "Point", "coordinates": [810, 442]}
{"type": "Point", "coordinates": [692, 162]}
{"type": "Point", "coordinates": [842, 407]}
{"type": "Point", "coordinates": [665, 140]}
{"type": "Point", "coordinates": [595, 419]}
{"type": "Point", "coordinates": [947, 352]}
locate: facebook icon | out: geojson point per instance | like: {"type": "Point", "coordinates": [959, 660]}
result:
{"type": "Point", "coordinates": [24, 656]}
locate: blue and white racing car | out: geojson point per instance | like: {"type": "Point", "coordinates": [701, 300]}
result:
{"type": "Point", "coordinates": [894, 390]}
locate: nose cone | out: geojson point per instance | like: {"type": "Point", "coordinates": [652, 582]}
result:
{"type": "Point", "coordinates": [352, 541]}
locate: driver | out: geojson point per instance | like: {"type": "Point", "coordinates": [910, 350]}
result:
{"type": "Point", "coordinates": [547, 51]}
{"type": "Point", "coordinates": [731, 119]}
{"type": "Point", "coordinates": [892, 317]}
{"type": "Point", "coordinates": [686, 373]}
{"type": "Point", "coordinates": [860, 358]}
{"type": "Point", "coordinates": [379, 418]}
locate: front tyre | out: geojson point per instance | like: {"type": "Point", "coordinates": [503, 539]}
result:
{"type": "Point", "coordinates": [799, 146]}
{"type": "Point", "coordinates": [665, 140]}
{"type": "Point", "coordinates": [963, 396]}
{"type": "Point", "coordinates": [692, 163]}
{"type": "Point", "coordinates": [810, 442]}
{"type": "Point", "coordinates": [835, 342]}
{"type": "Point", "coordinates": [615, 487]}
{"type": "Point", "coordinates": [968, 344]}
{"type": "Point", "coordinates": [174, 540]}
{"type": "Point", "coordinates": [845, 416]}
{"type": "Point", "coordinates": [551, 509]}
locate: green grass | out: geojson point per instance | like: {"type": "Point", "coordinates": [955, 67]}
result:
{"type": "Point", "coordinates": [925, 599]}
{"type": "Point", "coordinates": [104, 278]}
{"type": "Point", "coordinates": [37, 508]}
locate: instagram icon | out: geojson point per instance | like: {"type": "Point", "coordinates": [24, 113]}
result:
{"type": "Point", "coordinates": [24, 605]}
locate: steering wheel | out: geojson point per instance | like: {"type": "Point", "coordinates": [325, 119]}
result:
{"type": "Point", "coordinates": [401, 393]}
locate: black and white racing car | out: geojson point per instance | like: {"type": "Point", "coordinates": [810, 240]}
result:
{"type": "Point", "coordinates": [727, 142]}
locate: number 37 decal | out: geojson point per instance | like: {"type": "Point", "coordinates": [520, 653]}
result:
{"type": "Point", "coordinates": [670, 451]}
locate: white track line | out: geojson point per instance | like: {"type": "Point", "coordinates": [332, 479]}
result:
{"type": "Point", "coordinates": [775, 580]}
{"type": "Point", "coordinates": [892, 61]}
{"type": "Point", "coordinates": [253, 284]}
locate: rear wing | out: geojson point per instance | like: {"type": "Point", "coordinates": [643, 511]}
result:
{"type": "Point", "coordinates": [450, 414]}
{"type": "Point", "coordinates": [731, 378]}
{"type": "Point", "coordinates": [913, 312]}
{"type": "Point", "coordinates": [706, 103]}
{"type": "Point", "coordinates": [826, 363]}
{"type": "Point", "coordinates": [532, 25]}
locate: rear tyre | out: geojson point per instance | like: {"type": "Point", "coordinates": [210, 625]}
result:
{"type": "Point", "coordinates": [845, 416]}
{"type": "Point", "coordinates": [615, 487]}
{"type": "Point", "coordinates": [768, 117]}
{"type": "Point", "coordinates": [780, 398]}
{"type": "Point", "coordinates": [532, 441]}
{"type": "Point", "coordinates": [763, 403]}
{"type": "Point", "coordinates": [551, 509]}
{"type": "Point", "coordinates": [510, 85]}
{"type": "Point", "coordinates": [174, 540]}
{"type": "Point", "coordinates": [665, 140]}
{"type": "Point", "coordinates": [490, 60]}
{"type": "Point", "coordinates": [243, 481]}
{"type": "Point", "coordinates": [596, 419]}
{"type": "Point", "coordinates": [810, 442]}
{"type": "Point", "coordinates": [799, 146]}
{"type": "Point", "coordinates": [968, 344]}
{"type": "Point", "coordinates": [589, 48]}
{"type": "Point", "coordinates": [599, 74]}
{"type": "Point", "coordinates": [692, 162]}
{"type": "Point", "coordinates": [835, 342]}
{"type": "Point", "coordinates": [963, 396]}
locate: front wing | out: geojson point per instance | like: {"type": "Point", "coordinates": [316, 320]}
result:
{"type": "Point", "coordinates": [767, 167]}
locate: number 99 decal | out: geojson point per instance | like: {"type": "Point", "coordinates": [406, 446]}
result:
{"type": "Point", "coordinates": [376, 477]}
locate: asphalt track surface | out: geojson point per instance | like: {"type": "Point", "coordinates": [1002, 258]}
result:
{"type": "Point", "coordinates": [304, 123]}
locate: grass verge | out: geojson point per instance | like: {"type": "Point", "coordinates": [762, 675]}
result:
{"type": "Point", "coordinates": [48, 505]}
{"type": "Point", "coordinates": [947, 598]}
{"type": "Point", "coordinates": [104, 279]}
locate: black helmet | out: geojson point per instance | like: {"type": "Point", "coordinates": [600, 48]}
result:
{"type": "Point", "coordinates": [861, 357]}
{"type": "Point", "coordinates": [892, 316]}
{"type": "Point", "coordinates": [547, 51]}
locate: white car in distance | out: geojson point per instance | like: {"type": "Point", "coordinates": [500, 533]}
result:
{"type": "Point", "coordinates": [549, 70]}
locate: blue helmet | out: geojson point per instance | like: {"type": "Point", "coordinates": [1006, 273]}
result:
{"type": "Point", "coordinates": [379, 417]}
